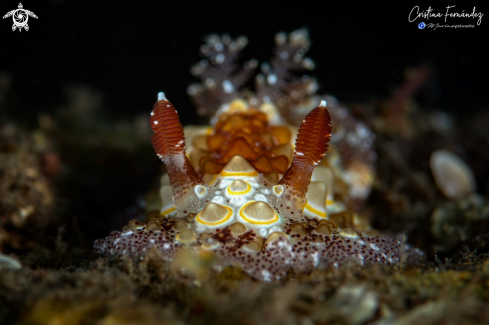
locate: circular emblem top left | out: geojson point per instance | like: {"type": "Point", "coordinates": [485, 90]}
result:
{"type": "Point", "coordinates": [20, 17]}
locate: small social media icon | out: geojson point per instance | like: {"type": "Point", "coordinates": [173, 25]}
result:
{"type": "Point", "coordinates": [421, 25]}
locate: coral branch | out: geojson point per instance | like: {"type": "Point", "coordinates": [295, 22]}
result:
{"type": "Point", "coordinates": [396, 109]}
{"type": "Point", "coordinates": [278, 82]}
{"type": "Point", "coordinates": [221, 76]}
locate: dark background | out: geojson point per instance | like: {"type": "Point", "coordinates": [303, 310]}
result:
{"type": "Point", "coordinates": [131, 50]}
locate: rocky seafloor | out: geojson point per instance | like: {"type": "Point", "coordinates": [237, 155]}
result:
{"type": "Point", "coordinates": [63, 185]}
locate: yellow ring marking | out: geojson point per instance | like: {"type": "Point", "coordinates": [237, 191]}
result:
{"type": "Point", "coordinates": [316, 211]}
{"type": "Point", "coordinates": [256, 222]}
{"type": "Point", "coordinates": [226, 218]}
{"type": "Point", "coordinates": [278, 190]}
{"type": "Point", "coordinates": [213, 180]}
{"type": "Point", "coordinates": [329, 202]}
{"type": "Point", "coordinates": [239, 174]}
{"type": "Point", "coordinates": [168, 211]}
{"type": "Point", "coordinates": [248, 189]}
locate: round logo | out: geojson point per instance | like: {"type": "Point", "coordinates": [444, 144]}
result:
{"type": "Point", "coordinates": [421, 25]}
{"type": "Point", "coordinates": [20, 17]}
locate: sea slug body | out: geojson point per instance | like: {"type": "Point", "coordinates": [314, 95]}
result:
{"type": "Point", "coordinates": [251, 189]}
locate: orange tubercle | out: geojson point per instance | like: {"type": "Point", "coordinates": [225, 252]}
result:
{"type": "Point", "coordinates": [248, 134]}
{"type": "Point", "coordinates": [240, 147]}
{"type": "Point", "coordinates": [262, 164]}
{"type": "Point", "coordinates": [282, 134]}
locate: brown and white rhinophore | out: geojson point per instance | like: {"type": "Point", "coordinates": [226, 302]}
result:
{"type": "Point", "coordinates": [169, 143]}
{"type": "Point", "coordinates": [310, 147]}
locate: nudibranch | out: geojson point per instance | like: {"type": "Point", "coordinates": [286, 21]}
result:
{"type": "Point", "coordinates": [253, 190]}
